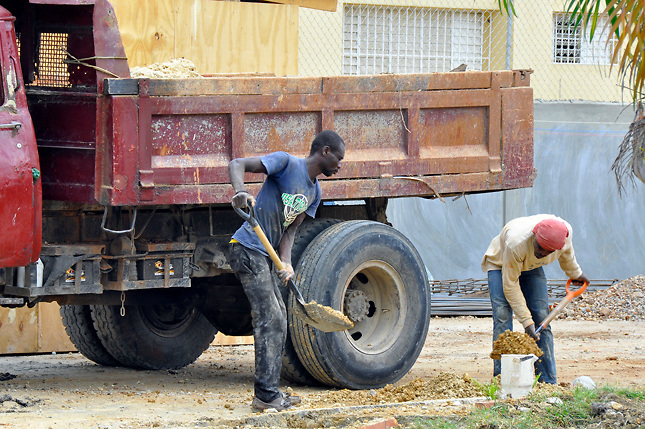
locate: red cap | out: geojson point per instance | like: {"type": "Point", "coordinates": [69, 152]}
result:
{"type": "Point", "coordinates": [551, 234]}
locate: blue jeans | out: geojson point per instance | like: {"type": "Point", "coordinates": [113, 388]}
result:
{"type": "Point", "coordinates": [533, 286]}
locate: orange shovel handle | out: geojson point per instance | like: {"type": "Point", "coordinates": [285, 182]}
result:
{"type": "Point", "coordinates": [575, 293]}
{"type": "Point", "coordinates": [568, 297]}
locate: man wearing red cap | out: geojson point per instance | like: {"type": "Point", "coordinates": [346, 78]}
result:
{"type": "Point", "coordinates": [516, 280]}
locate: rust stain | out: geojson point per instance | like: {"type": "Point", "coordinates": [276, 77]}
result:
{"type": "Point", "coordinates": [199, 191]}
{"type": "Point", "coordinates": [196, 176]}
{"type": "Point", "coordinates": [274, 141]}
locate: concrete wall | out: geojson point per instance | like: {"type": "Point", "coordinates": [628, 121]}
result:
{"type": "Point", "coordinates": [575, 145]}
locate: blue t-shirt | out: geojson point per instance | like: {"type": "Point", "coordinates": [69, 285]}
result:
{"type": "Point", "coordinates": [287, 192]}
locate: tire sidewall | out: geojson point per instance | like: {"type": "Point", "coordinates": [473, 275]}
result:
{"type": "Point", "coordinates": [130, 339]}
{"type": "Point", "coordinates": [345, 249]}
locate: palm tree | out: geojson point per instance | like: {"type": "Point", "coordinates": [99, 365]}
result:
{"type": "Point", "coordinates": [626, 19]}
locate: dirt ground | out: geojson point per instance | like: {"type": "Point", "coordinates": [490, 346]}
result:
{"type": "Point", "coordinates": [68, 391]}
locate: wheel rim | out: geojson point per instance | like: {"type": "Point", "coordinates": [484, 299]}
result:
{"type": "Point", "coordinates": [383, 321]}
{"type": "Point", "coordinates": [168, 320]}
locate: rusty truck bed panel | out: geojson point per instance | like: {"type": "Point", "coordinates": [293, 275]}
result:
{"type": "Point", "coordinates": [170, 141]}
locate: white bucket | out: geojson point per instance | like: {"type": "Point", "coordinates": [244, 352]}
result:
{"type": "Point", "coordinates": [518, 375]}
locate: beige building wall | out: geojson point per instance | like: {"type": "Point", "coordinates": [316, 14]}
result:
{"type": "Point", "coordinates": [320, 47]}
{"type": "Point", "coordinates": [533, 48]}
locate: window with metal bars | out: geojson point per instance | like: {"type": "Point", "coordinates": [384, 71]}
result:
{"type": "Point", "coordinates": [51, 69]}
{"type": "Point", "coordinates": [570, 47]}
{"type": "Point", "coordinates": [384, 39]}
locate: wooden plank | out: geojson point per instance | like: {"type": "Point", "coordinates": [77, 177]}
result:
{"type": "Point", "coordinates": [246, 37]}
{"type": "Point", "coordinates": [147, 29]}
{"type": "Point", "coordinates": [33, 330]}
{"type": "Point", "coordinates": [18, 330]}
{"type": "Point", "coordinates": [52, 335]}
{"type": "Point", "coordinates": [328, 5]}
{"type": "Point", "coordinates": [217, 36]}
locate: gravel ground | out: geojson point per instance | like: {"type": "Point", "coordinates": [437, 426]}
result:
{"type": "Point", "coordinates": [64, 391]}
{"type": "Point", "coordinates": [67, 391]}
{"type": "Point", "coordinates": [622, 301]}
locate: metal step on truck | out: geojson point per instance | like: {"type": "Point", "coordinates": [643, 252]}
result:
{"type": "Point", "coordinates": [116, 197]}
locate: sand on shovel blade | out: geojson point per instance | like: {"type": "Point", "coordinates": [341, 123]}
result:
{"type": "Point", "coordinates": [326, 318]}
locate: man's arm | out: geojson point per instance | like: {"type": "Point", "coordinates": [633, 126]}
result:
{"type": "Point", "coordinates": [285, 245]}
{"type": "Point", "coordinates": [570, 266]}
{"type": "Point", "coordinates": [236, 170]}
{"type": "Point", "coordinates": [511, 271]}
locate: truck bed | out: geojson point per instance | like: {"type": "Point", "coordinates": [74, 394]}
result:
{"type": "Point", "coordinates": [169, 141]}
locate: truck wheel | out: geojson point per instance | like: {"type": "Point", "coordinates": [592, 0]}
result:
{"type": "Point", "coordinates": [376, 277]}
{"type": "Point", "coordinates": [77, 320]}
{"type": "Point", "coordinates": [292, 368]}
{"type": "Point", "coordinates": [153, 336]}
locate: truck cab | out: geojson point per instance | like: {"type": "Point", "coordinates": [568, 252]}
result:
{"type": "Point", "coordinates": [20, 184]}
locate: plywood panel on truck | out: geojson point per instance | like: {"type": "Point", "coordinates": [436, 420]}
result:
{"type": "Point", "coordinates": [328, 5]}
{"type": "Point", "coordinates": [33, 330]}
{"type": "Point", "coordinates": [40, 330]}
{"type": "Point", "coordinates": [217, 36]}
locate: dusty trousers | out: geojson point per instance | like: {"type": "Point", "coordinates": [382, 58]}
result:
{"type": "Point", "coordinates": [534, 288]}
{"type": "Point", "coordinates": [269, 314]}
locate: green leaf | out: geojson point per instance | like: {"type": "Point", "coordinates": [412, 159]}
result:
{"type": "Point", "coordinates": [506, 5]}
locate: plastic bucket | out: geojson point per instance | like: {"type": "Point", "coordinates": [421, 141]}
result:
{"type": "Point", "coordinates": [518, 375]}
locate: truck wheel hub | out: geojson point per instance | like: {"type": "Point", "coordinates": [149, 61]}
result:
{"type": "Point", "coordinates": [356, 305]}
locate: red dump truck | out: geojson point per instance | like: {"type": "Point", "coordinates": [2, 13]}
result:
{"type": "Point", "coordinates": [116, 201]}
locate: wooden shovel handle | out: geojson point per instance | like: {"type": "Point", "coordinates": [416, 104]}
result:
{"type": "Point", "coordinates": [265, 242]}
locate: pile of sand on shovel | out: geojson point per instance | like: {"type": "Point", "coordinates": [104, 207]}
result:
{"type": "Point", "coordinates": [514, 343]}
{"type": "Point", "coordinates": [322, 317]}
{"type": "Point", "coordinates": [327, 314]}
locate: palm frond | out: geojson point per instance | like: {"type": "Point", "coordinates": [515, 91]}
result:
{"type": "Point", "coordinates": [506, 5]}
{"type": "Point", "coordinates": [626, 20]}
{"type": "Point", "coordinates": [630, 161]}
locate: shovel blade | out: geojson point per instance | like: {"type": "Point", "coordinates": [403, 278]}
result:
{"type": "Point", "coordinates": [321, 317]}
{"type": "Point", "coordinates": [326, 318]}
{"type": "Point", "coordinates": [317, 315]}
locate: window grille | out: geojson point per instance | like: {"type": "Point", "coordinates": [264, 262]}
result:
{"type": "Point", "coordinates": [569, 47]}
{"type": "Point", "coordinates": [51, 67]}
{"type": "Point", "coordinates": [379, 39]}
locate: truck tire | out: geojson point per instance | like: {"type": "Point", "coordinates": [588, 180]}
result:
{"type": "Point", "coordinates": [153, 336]}
{"type": "Point", "coordinates": [77, 320]}
{"type": "Point", "coordinates": [292, 369]}
{"type": "Point", "coordinates": [375, 275]}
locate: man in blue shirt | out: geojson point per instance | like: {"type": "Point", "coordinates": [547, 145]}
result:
{"type": "Point", "coordinates": [289, 192]}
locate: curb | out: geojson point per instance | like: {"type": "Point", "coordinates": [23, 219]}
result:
{"type": "Point", "coordinates": [285, 418]}
{"type": "Point", "coordinates": [383, 424]}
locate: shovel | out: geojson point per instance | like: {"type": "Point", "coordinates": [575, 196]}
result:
{"type": "Point", "coordinates": [317, 315]}
{"type": "Point", "coordinates": [567, 299]}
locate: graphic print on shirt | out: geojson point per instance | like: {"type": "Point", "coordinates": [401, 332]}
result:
{"type": "Point", "coordinates": [293, 206]}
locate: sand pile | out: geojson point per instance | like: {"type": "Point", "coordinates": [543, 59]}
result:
{"type": "Point", "coordinates": [176, 68]}
{"type": "Point", "coordinates": [446, 385]}
{"type": "Point", "coordinates": [517, 343]}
